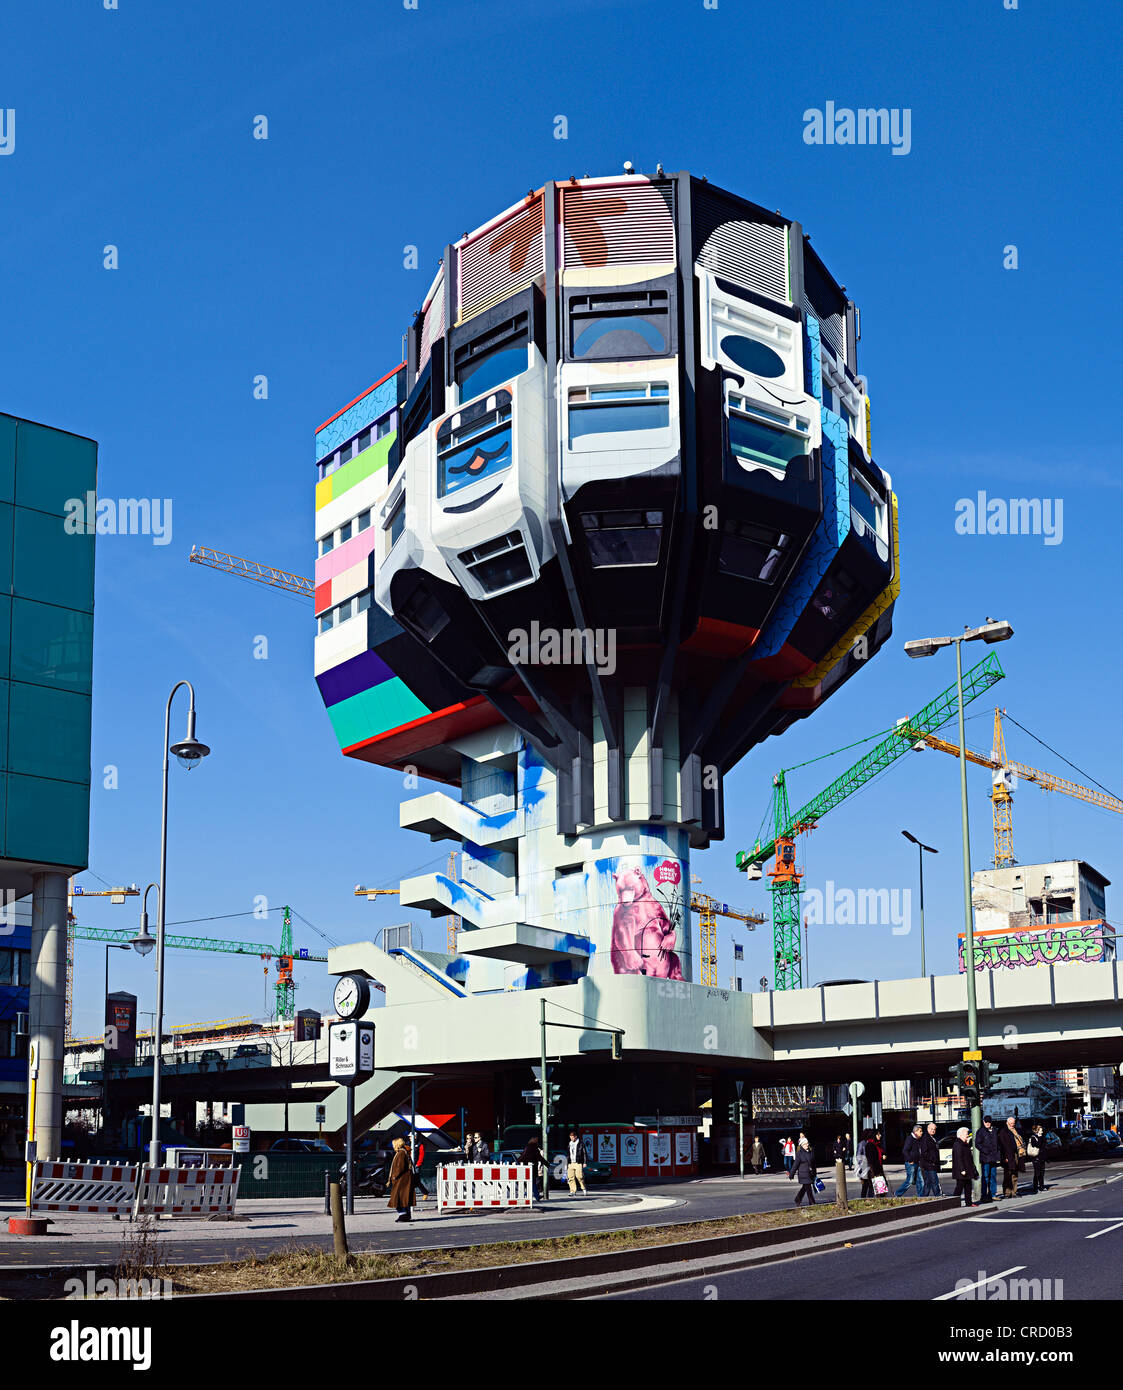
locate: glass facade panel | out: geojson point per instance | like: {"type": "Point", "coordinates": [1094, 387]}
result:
{"type": "Point", "coordinates": [7, 458]}
{"type": "Point", "coordinates": [51, 645]}
{"type": "Point", "coordinates": [52, 468]}
{"type": "Point", "coordinates": [48, 732]}
{"type": "Point", "coordinates": [47, 821]}
{"type": "Point", "coordinates": [51, 565]}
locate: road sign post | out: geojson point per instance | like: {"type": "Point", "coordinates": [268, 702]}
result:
{"type": "Point", "coordinates": [351, 1060]}
{"type": "Point", "coordinates": [856, 1091]}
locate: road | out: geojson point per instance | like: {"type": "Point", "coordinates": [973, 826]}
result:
{"type": "Point", "coordinates": [375, 1228]}
{"type": "Point", "coordinates": [1030, 1248]}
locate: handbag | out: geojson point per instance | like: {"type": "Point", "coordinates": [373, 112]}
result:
{"type": "Point", "coordinates": [820, 1185]}
{"type": "Point", "coordinates": [880, 1186]}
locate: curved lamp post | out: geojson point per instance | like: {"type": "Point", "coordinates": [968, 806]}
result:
{"type": "Point", "coordinates": [189, 751]}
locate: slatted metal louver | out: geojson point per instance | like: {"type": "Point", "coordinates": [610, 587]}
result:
{"type": "Point", "coordinates": [832, 328]}
{"type": "Point", "coordinates": [505, 258]}
{"type": "Point", "coordinates": [748, 251]}
{"type": "Point", "coordinates": [622, 224]}
{"type": "Point", "coordinates": [433, 321]}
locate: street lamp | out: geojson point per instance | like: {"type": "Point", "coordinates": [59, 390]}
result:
{"type": "Point", "coordinates": [189, 751]}
{"type": "Point", "coordinates": [992, 631]}
{"type": "Point", "coordinates": [923, 849]}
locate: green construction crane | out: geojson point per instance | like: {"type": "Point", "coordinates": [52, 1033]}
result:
{"type": "Point", "coordinates": [786, 877]}
{"type": "Point", "coordinates": [285, 987]}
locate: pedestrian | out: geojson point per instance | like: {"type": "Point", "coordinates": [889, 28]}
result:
{"type": "Point", "coordinates": [480, 1151]}
{"type": "Point", "coordinates": [838, 1149]}
{"type": "Point", "coordinates": [575, 1170]}
{"type": "Point", "coordinates": [911, 1152]}
{"type": "Point", "coordinates": [1011, 1154]}
{"type": "Point", "coordinates": [963, 1168]}
{"type": "Point", "coordinates": [986, 1146]}
{"type": "Point", "coordinates": [788, 1150]}
{"type": "Point", "coordinates": [532, 1154]}
{"type": "Point", "coordinates": [862, 1165]}
{"type": "Point", "coordinates": [803, 1168]}
{"type": "Point", "coordinates": [930, 1163]}
{"type": "Point", "coordinates": [1035, 1152]}
{"type": "Point", "coordinates": [756, 1157]}
{"type": "Point", "coordinates": [402, 1180]}
{"type": "Point", "coordinates": [875, 1157]}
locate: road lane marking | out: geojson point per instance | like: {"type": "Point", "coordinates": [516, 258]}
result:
{"type": "Point", "coordinates": [966, 1288]}
{"type": "Point", "coordinates": [1106, 1231]}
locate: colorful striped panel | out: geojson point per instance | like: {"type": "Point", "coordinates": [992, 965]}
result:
{"type": "Point", "coordinates": [345, 555]}
{"type": "Point", "coordinates": [352, 677]}
{"type": "Point", "coordinates": [332, 487]}
{"type": "Point", "coordinates": [375, 711]}
{"type": "Point", "coordinates": [375, 402]}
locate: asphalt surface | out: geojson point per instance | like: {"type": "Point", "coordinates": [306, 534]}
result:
{"type": "Point", "coordinates": [697, 1199]}
{"type": "Point", "coordinates": [1044, 1240]}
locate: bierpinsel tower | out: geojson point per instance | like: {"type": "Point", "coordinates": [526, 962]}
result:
{"type": "Point", "coordinates": [613, 521]}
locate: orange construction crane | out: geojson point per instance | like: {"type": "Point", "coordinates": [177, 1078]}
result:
{"type": "Point", "coordinates": [1005, 780]}
{"type": "Point", "coordinates": [251, 569]}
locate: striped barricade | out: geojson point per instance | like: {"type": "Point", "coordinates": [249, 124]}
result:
{"type": "Point", "coordinates": [187, 1191]}
{"type": "Point", "coordinates": [84, 1187]}
{"type": "Point", "coordinates": [484, 1185]}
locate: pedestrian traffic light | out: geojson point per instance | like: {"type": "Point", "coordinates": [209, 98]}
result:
{"type": "Point", "coordinates": [969, 1082]}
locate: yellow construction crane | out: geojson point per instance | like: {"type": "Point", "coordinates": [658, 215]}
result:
{"type": "Point", "coordinates": [709, 910]}
{"type": "Point", "coordinates": [251, 569]}
{"type": "Point", "coordinates": [117, 895]}
{"type": "Point", "coordinates": [1005, 780]}
{"type": "Point", "coordinates": [452, 922]}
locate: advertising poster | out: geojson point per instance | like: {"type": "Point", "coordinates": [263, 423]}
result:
{"type": "Point", "coordinates": [647, 914]}
{"type": "Point", "coordinates": [590, 1146]}
{"type": "Point", "coordinates": [631, 1151]}
{"type": "Point", "coordinates": [659, 1150]}
{"type": "Point", "coordinates": [606, 1148]}
{"type": "Point", "coordinates": [683, 1150]}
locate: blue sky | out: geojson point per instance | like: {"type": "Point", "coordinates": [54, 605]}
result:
{"type": "Point", "coordinates": [283, 257]}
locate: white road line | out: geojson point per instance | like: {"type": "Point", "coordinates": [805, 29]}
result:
{"type": "Point", "coordinates": [1024, 1220]}
{"type": "Point", "coordinates": [1106, 1231]}
{"type": "Point", "coordinates": [966, 1288]}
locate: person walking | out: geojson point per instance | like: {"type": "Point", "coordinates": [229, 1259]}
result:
{"type": "Point", "coordinates": [788, 1152]}
{"type": "Point", "coordinates": [756, 1156]}
{"type": "Point", "coordinates": [838, 1149]}
{"type": "Point", "coordinates": [862, 1164]}
{"type": "Point", "coordinates": [1035, 1152]}
{"type": "Point", "coordinates": [403, 1179]}
{"type": "Point", "coordinates": [963, 1168]}
{"type": "Point", "coordinates": [532, 1154]}
{"type": "Point", "coordinates": [911, 1152]}
{"type": "Point", "coordinates": [803, 1168]}
{"type": "Point", "coordinates": [875, 1157]}
{"type": "Point", "coordinates": [1011, 1154]}
{"type": "Point", "coordinates": [575, 1169]}
{"type": "Point", "coordinates": [986, 1146]}
{"type": "Point", "coordinates": [930, 1163]}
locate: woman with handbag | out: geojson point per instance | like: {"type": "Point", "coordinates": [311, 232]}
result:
{"type": "Point", "coordinates": [804, 1169]}
{"type": "Point", "coordinates": [875, 1157]}
{"type": "Point", "coordinates": [1035, 1152]}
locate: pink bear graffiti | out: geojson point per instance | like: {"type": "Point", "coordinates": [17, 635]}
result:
{"type": "Point", "coordinates": [643, 938]}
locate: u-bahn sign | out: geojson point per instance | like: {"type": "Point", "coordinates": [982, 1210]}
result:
{"type": "Point", "coordinates": [1061, 942]}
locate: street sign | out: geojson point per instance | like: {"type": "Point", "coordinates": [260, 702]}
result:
{"type": "Point", "coordinates": [848, 1109]}
{"type": "Point", "coordinates": [668, 1120]}
{"type": "Point", "coordinates": [538, 1073]}
{"type": "Point", "coordinates": [240, 1135]}
{"type": "Point", "coordinates": [321, 1114]}
{"type": "Point", "coordinates": [857, 1090]}
{"type": "Point", "coordinates": [972, 1056]}
{"type": "Point", "coordinates": [740, 1087]}
{"type": "Point", "coordinates": [532, 1095]}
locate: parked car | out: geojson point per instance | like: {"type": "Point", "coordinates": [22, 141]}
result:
{"type": "Point", "coordinates": [211, 1054]}
{"type": "Point", "coordinates": [249, 1050]}
{"type": "Point", "coordinates": [290, 1145]}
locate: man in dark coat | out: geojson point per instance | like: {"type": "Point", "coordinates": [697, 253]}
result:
{"type": "Point", "coordinates": [910, 1152]}
{"type": "Point", "coordinates": [1011, 1154]}
{"type": "Point", "coordinates": [986, 1146]}
{"type": "Point", "coordinates": [930, 1163]}
{"type": "Point", "coordinates": [963, 1168]}
{"type": "Point", "coordinates": [803, 1169]}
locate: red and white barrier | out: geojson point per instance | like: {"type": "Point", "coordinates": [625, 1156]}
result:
{"type": "Point", "coordinates": [187, 1191]}
{"type": "Point", "coordinates": [484, 1185]}
{"type": "Point", "coordinates": [84, 1187]}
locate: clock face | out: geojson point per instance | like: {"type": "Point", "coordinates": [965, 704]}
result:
{"type": "Point", "coordinates": [346, 997]}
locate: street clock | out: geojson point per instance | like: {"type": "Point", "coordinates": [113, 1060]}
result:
{"type": "Point", "coordinates": [352, 996]}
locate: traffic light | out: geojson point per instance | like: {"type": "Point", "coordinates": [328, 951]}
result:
{"type": "Point", "coordinates": [553, 1094]}
{"type": "Point", "coordinates": [989, 1075]}
{"type": "Point", "coordinates": [955, 1072]}
{"type": "Point", "coordinates": [738, 1109]}
{"type": "Point", "coordinates": [970, 1082]}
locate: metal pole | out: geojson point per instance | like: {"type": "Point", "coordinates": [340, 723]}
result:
{"type": "Point", "coordinates": [350, 1150]}
{"type": "Point", "coordinates": [968, 915]}
{"type": "Point", "coordinates": [923, 958]}
{"type": "Point", "coordinates": [413, 1121]}
{"type": "Point", "coordinates": [158, 1022]}
{"type": "Point", "coordinates": [544, 1110]}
